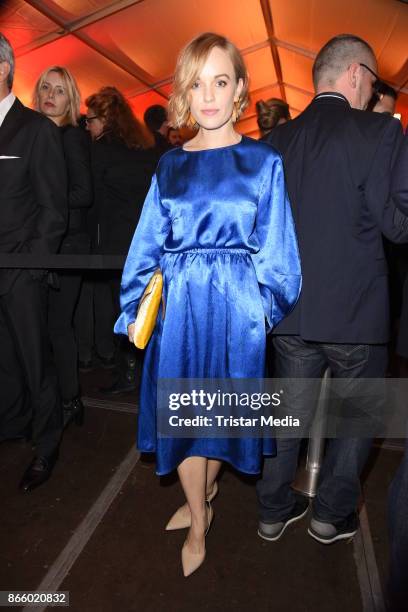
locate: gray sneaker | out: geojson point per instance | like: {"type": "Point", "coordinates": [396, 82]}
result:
{"type": "Point", "coordinates": [327, 533]}
{"type": "Point", "coordinates": [273, 531]}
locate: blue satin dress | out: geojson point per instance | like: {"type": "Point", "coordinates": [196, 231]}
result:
{"type": "Point", "coordinates": [218, 223]}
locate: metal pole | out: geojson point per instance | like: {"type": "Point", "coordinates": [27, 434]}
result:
{"type": "Point", "coordinates": [307, 475]}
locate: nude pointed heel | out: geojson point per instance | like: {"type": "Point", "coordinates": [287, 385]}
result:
{"type": "Point", "coordinates": [182, 519]}
{"type": "Point", "coordinates": [213, 492]}
{"type": "Point", "coordinates": [191, 561]}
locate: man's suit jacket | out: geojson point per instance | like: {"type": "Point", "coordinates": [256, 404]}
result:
{"type": "Point", "coordinates": [338, 164]}
{"type": "Point", "coordinates": [33, 188]}
{"type": "Point", "coordinates": [399, 183]}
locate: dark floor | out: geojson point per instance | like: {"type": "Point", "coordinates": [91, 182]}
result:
{"type": "Point", "coordinates": [131, 563]}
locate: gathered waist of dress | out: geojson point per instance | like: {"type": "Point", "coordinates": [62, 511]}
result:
{"type": "Point", "coordinates": [209, 251]}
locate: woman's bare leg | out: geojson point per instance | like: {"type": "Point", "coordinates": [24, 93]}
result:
{"type": "Point", "coordinates": [213, 467]}
{"type": "Point", "coordinates": [193, 475]}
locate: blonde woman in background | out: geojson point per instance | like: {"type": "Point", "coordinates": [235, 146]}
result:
{"type": "Point", "coordinates": [56, 95]}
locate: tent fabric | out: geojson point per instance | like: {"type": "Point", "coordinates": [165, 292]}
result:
{"type": "Point", "coordinates": [133, 44]}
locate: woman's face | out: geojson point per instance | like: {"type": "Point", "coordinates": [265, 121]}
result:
{"type": "Point", "coordinates": [53, 97]}
{"type": "Point", "coordinates": [174, 137]}
{"type": "Point", "coordinates": [215, 90]}
{"type": "Point", "coordinates": [94, 124]}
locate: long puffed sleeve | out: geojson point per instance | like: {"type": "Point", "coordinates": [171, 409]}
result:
{"type": "Point", "coordinates": [143, 257]}
{"type": "Point", "coordinates": [277, 263]}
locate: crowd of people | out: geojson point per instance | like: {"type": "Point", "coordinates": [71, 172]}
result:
{"type": "Point", "coordinates": [288, 235]}
{"type": "Point", "coordinates": [82, 185]}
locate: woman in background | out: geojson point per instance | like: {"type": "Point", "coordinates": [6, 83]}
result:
{"type": "Point", "coordinates": [217, 222]}
{"type": "Point", "coordinates": [270, 114]}
{"type": "Point", "coordinates": [174, 137]}
{"type": "Point", "coordinates": [122, 167]}
{"type": "Point", "coordinates": [56, 95]}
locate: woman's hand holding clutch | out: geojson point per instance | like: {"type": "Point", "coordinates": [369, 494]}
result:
{"type": "Point", "coordinates": [131, 332]}
{"type": "Point", "coordinates": [141, 330]}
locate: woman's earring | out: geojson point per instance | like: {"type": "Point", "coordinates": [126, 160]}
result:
{"type": "Point", "coordinates": [191, 122]}
{"type": "Point", "coordinates": [236, 111]}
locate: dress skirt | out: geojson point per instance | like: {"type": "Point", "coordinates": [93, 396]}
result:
{"type": "Point", "coordinates": [214, 327]}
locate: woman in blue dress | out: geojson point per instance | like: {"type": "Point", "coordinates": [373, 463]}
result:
{"type": "Point", "coordinates": [217, 222]}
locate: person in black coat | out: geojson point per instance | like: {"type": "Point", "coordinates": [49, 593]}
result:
{"type": "Point", "coordinates": [338, 163]}
{"type": "Point", "coordinates": [122, 168]}
{"type": "Point", "coordinates": [155, 118]}
{"type": "Point", "coordinates": [33, 217]}
{"type": "Point", "coordinates": [397, 591]}
{"type": "Point", "coordinates": [56, 95]}
{"type": "Point", "coordinates": [401, 191]}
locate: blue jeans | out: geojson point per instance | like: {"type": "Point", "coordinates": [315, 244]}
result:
{"type": "Point", "coordinates": [339, 480]}
{"type": "Point", "coordinates": [398, 530]}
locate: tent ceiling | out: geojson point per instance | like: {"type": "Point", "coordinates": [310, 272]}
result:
{"type": "Point", "coordinates": [133, 44]}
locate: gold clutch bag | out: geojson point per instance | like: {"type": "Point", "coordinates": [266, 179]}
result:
{"type": "Point", "coordinates": [147, 311]}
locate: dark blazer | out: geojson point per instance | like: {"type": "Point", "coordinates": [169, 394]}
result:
{"type": "Point", "coordinates": [161, 145]}
{"type": "Point", "coordinates": [121, 179]}
{"type": "Point", "coordinates": [77, 158]}
{"type": "Point", "coordinates": [80, 194]}
{"type": "Point", "coordinates": [33, 202]}
{"type": "Point", "coordinates": [338, 164]}
{"type": "Point", "coordinates": [399, 188]}
{"type": "Point", "coordinates": [399, 183]}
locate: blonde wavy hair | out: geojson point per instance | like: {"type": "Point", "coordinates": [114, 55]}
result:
{"type": "Point", "coordinates": [189, 65]}
{"type": "Point", "coordinates": [74, 97]}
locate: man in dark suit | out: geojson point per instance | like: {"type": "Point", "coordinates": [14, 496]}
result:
{"type": "Point", "coordinates": [338, 163]}
{"type": "Point", "coordinates": [33, 214]}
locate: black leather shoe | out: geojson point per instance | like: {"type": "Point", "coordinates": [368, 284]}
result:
{"type": "Point", "coordinates": [38, 472]}
{"type": "Point", "coordinates": [73, 411]}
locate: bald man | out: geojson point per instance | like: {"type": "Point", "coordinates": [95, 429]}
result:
{"type": "Point", "coordinates": [338, 163]}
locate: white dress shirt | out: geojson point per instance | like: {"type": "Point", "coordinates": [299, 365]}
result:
{"type": "Point", "coordinates": [5, 106]}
